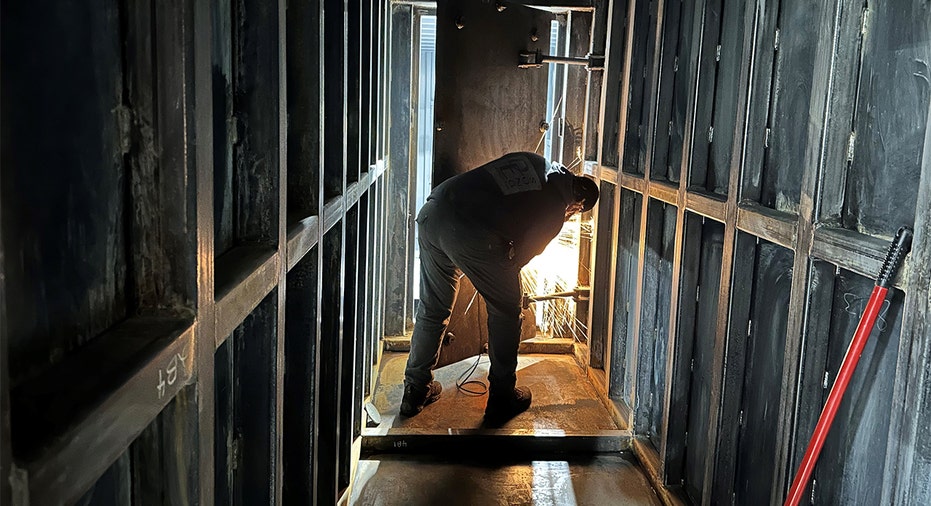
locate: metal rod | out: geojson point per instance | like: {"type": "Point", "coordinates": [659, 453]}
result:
{"type": "Point", "coordinates": [564, 59]}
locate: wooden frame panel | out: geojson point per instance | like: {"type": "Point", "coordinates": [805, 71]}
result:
{"type": "Point", "coordinates": [787, 186]}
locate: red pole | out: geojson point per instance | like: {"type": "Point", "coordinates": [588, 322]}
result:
{"type": "Point", "coordinates": [900, 247]}
{"type": "Point", "coordinates": [837, 393]}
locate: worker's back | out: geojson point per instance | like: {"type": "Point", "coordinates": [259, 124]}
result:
{"type": "Point", "coordinates": [519, 196]}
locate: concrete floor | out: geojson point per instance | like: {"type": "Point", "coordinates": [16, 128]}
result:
{"type": "Point", "coordinates": [563, 397]}
{"type": "Point", "coordinates": [564, 401]}
{"type": "Point", "coordinates": [596, 480]}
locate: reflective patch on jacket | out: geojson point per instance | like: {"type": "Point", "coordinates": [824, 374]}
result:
{"type": "Point", "coordinates": [514, 175]}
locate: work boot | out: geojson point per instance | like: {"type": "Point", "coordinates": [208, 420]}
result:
{"type": "Point", "coordinates": [503, 407]}
{"type": "Point", "coordinates": [416, 398]}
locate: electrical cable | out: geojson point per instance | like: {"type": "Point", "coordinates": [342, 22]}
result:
{"type": "Point", "coordinates": [464, 380]}
{"type": "Point", "coordinates": [553, 117]}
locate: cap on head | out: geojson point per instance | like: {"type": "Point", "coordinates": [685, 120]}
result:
{"type": "Point", "coordinates": [585, 191]}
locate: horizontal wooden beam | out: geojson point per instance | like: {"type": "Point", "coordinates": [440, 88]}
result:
{"type": "Point", "coordinates": [116, 386]}
{"type": "Point", "coordinates": [608, 175]}
{"type": "Point", "coordinates": [665, 192]}
{"type": "Point", "coordinates": [487, 441]}
{"type": "Point", "coordinates": [631, 182]}
{"type": "Point", "coordinates": [332, 212]}
{"type": "Point", "coordinates": [302, 236]}
{"type": "Point", "coordinates": [774, 226]}
{"type": "Point", "coordinates": [706, 206]}
{"type": "Point", "coordinates": [353, 192]}
{"type": "Point", "coordinates": [855, 252]}
{"type": "Point", "coordinates": [245, 275]}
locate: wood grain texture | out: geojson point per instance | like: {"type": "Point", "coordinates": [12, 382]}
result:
{"type": "Point", "coordinates": [485, 106]}
{"type": "Point", "coordinates": [890, 121]}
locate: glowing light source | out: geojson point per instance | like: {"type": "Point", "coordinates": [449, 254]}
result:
{"type": "Point", "coordinates": [553, 271]}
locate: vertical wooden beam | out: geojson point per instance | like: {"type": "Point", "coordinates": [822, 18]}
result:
{"type": "Point", "coordinates": [278, 368]}
{"type": "Point", "coordinates": [829, 113]}
{"type": "Point", "coordinates": [317, 460]}
{"type": "Point", "coordinates": [205, 338]}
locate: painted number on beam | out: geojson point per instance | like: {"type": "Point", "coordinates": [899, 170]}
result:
{"type": "Point", "coordinates": [168, 375]}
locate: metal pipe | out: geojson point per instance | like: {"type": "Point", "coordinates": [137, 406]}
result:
{"type": "Point", "coordinates": [564, 59]}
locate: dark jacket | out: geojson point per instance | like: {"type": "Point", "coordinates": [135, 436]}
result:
{"type": "Point", "coordinates": [520, 196]}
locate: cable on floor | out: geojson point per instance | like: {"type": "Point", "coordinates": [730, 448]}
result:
{"type": "Point", "coordinates": [464, 380]}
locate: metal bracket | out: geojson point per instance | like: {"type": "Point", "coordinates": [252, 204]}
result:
{"type": "Point", "coordinates": [535, 59]}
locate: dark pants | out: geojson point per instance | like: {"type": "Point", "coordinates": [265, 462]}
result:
{"type": "Point", "coordinates": [449, 243]}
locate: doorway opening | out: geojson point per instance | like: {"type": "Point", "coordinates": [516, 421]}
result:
{"type": "Point", "coordinates": [466, 84]}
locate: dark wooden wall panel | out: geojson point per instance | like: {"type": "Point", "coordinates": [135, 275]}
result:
{"type": "Point", "coordinates": [331, 339]}
{"type": "Point", "coordinates": [64, 180]}
{"type": "Point", "coordinates": [334, 98]}
{"type": "Point", "coordinates": [348, 410]}
{"type": "Point", "coordinates": [890, 119]}
{"type": "Point", "coordinates": [304, 109]}
{"type": "Point", "coordinates": [245, 404]}
{"type": "Point", "coordinates": [621, 378]}
{"type": "Point", "coordinates": [598, 333]}
{"type": "Point", "coordinates": [675, 15]}
{"type": "Point", "coordinates": [673, 449]}
{"type": "Point", "coordinates": [852, 467]}
{"type": "Point", "coordinates": [113, 488]}
{"type": "Point", "coordinates": [367, 75]}
{"type": "Point", "coordinates": [246, 128]}
{"type": "Point", "coordinates": [353, 91]}
{"type": "Point", "coordinates": [715, 176]}
{"type": "Point", "coordinates": [485, 106]}
{"type": "Point", "coordinates": [362, 279]}
{"type": "Point", "coordinates": [784, 161]}
{"type": "Point", "coordinates": [604, 109]}
{"type": "Point", "coordinates": [654, 318]}
{"type": "Point", "coordinates": [400, 224]}
{"type": "Point", "coordinates": [580, 34]}
{"type": "Point", "coordinates": [706, 238]}
{"type": "Point", "coordinates": [369, 202]}
{"type": "Point", "coordinates": [161, 460]}
{"type": "Point", "coordinates": [707, 56]}
{"type": "Point", "coordinates": [225, 128]}
{"type": "Point", "coordinates": [302, 331]}
{"type": "Point", "coordinates": [687, 49]}
{"type": "Point", "coordinates": [225, 487]}
{"type": "Point", "coordinates": [771, 283]}
{"type": "Point", "coordinates": [640, 79]}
